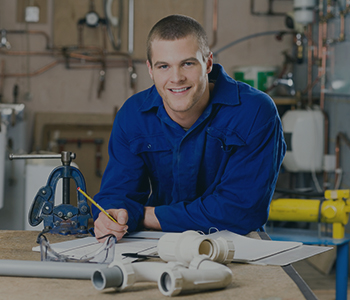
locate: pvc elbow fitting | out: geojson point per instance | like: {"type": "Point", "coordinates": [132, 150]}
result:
{"type": "Point", "coordinates": [183, 247]}
{"type": "Point", "coordinates": [202, 274]}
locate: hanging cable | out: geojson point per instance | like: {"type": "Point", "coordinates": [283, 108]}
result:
{"type": "Point", "coordinates": [279, 34]}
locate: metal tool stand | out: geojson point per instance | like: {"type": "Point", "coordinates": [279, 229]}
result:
{"type": "Point", "coordinates": [308, 237]}
{"type": "Point", "coordinates": [64, 218]}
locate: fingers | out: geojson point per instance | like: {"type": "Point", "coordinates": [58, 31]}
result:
{"type": "Point", "coordinates": [104, 225]}
{"type": "Point", "coordinates": [121, 215]}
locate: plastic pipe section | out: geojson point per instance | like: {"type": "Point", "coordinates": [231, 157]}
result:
{"type": "Point", "coordinates": [130, 274]}
{"type": "Point", "coordinates": [46, 269]}
{"type": "Point", "coordinates": [183, 247]}
{"type": "Point", "coordinates": [335, 209]}
{"type": "Point", "coordinates": [173, 277]}
{"type": "Point", "coordinates": [193, 264]}
{"type": "Point", "coordinates": [202, 274]}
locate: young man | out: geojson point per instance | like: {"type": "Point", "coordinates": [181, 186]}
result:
{"type": "Point", "coordinates": [197, 150]}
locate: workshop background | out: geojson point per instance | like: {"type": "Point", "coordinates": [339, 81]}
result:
{"type": "Point", "coordinates": [67, 66]}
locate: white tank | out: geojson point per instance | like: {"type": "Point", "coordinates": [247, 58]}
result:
{"type": "Point", "coordinates": [304, 11]}
{"type": "Point", "coordinates": [304, 135]}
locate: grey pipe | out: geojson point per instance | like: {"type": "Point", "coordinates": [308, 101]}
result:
{"type": "Point", "coordinates": [107, 278]}
{"type": "Point", "coordinates": [48, 269]}
{"type": "Point", "coordinates": [131, 27]}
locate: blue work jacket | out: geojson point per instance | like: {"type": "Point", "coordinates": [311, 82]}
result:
{"type": "Point", "coordinates": [221, 173]}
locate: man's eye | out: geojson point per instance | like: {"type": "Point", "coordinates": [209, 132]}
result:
{"type": "Point", "coordinates": [188, 63]}
{"type": "Point", "coordinates": [163, 67]}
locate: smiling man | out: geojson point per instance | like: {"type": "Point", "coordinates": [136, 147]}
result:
{"type": "Point", "coordinates": [197, 150]}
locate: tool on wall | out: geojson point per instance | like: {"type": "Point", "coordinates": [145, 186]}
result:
{"type": "Point", "coordinates": [64, 218]}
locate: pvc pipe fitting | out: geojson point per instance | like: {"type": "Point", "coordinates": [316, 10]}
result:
{"type": "Point", "coordinates": [203, 274]}
{"type": "Point", "coordinates": [130, 273]}
{"type": "Point", "coordinates": [173, 277]}
{"type": "Point", "coordinates": [183, 247]}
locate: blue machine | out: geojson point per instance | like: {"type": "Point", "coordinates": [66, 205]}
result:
{"type": "Point", "coordinates": [64, 218]}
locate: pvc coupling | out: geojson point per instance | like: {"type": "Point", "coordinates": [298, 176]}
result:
{"type": "Point", "coordinates": [183, 247]}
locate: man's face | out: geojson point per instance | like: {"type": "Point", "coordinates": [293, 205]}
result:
{"type": "Point", "coordinates": [180, 76]}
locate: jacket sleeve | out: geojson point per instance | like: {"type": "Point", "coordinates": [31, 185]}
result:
{"type": "Point", "coordinates": [239, 202]}
{"type": "Point", "coordinates": [125, 183]}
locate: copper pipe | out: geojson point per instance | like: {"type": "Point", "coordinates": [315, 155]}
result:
{"type": "Point", "coordinates": [311, 86]}
{"type": "Point", "coordinates": [127, 55]}
{"type": "Point", "coordinates": [37, 72]}
{"type": "Point", "coordinates": [342, 27]}
{"type": "Point", "coordinates": [19, 53]}
{"type": "Point", "coordinates": [84, 57]}
{"type": "Point", "coordinates": [323, 77]}
{"type": "Point", "coordinates": [215, 24]}
{"type": "Point", "coordinates": [309, 65]}
{"type": "Point", "coordinates": [326, 141]}
{"type": "Point", "coordinates": [104, 34]}
{"type": "Point", "coordinates": [46, 36]}
{"type": "Point", "coordinates": [320, 43]}
{"type": "Point", "coordinates": [80, 36]}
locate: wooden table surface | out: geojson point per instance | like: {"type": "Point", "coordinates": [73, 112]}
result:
{"type": "Point", "coordinates": [249, 281]}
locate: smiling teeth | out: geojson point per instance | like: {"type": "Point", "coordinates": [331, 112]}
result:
{"type": "Point", "coordinates": [179, 90]}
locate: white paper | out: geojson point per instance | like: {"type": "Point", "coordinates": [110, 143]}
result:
{"type": "Point", "coordinates": [292, 255]}
{"type": "Point", "coordinates": [250, 249]}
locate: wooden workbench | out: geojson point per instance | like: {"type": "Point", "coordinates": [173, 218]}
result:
{"type": "Point", "coordinates": [249, 281]}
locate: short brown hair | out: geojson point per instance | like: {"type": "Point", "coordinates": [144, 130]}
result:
{"type": "Point", "coordinates": [175, 27]}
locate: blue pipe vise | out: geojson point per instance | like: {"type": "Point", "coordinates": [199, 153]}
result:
{"type": "Point", "coordinates": [64, 218]}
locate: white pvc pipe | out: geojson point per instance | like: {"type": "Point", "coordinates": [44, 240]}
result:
{"type": "Point", "coordinates": [25, 268]}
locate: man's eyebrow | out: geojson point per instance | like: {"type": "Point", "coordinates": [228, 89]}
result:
{"type": "Point", "coordinates": [160, 63]}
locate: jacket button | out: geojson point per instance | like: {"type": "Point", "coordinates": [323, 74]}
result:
{"type": "Point", "coordinates": [149, 146]}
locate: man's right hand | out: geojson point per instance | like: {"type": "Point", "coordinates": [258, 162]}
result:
{"type": "Point", "coordinates": [104, 225]}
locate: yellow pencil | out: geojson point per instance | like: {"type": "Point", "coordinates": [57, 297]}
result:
{"type": "Point", "coordinates": [97, 205]}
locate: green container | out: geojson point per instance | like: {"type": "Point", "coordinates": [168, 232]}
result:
{"type": "Point", "coordinates": [260, 78]}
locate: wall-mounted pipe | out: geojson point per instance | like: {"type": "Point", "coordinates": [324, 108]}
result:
{"type": "Point", "coordinates": [215, 24]}
{"type": "Point", "coordinates": [39, 32]}
{"type": "Point", "coordinates": [131, 27]}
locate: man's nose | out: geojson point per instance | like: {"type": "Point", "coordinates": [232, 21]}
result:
{"type": "Point", "coordinates": [177, 75]}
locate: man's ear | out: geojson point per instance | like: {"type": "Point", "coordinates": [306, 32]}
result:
{"type": "Point", "coordinates": [150, 70]}
{"type": "Point", "coordinates": [210, 62]}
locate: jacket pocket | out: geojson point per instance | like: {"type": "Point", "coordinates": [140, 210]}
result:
{"type": "Point", "coordinates": [149, 144]}
{"type": "Point", "coordinates": [227, 139]}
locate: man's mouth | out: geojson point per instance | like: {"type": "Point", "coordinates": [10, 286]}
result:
{"type": "Point", "coordinates": [180, 90]}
